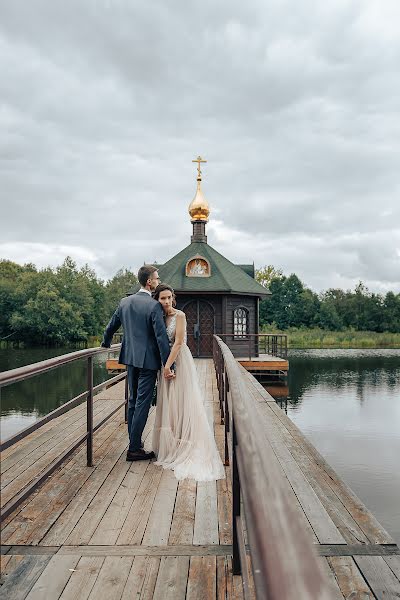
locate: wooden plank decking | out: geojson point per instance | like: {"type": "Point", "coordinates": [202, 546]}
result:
{"type": "Point", "coordinates": [129, 530]}
{"type": "Point", "coordinates": [119, 529]}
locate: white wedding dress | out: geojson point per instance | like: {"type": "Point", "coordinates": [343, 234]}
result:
{"type": "Point", "coordinates": [182, 437]}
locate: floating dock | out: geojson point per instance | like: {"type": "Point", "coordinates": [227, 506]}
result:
{"type": "Point", "coordinates": [266, 365]}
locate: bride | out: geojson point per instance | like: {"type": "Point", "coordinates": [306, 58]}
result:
{"type": "Point", "coordinates": [182, 437]}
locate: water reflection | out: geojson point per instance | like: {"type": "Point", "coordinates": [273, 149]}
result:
{"type": "Point", "coordinates": [347, 402]}
{"type": "Point", "coordinates": [24, 402]}
{"type": "Point", "coordinates": [359, 370]}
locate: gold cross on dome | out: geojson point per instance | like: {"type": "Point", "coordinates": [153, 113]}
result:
{"type": "Point", "coordinates": [199, 160]}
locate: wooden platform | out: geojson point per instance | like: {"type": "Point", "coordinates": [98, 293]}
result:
{"type": "Point", "coordinates": [113, 366]}
{"type": "Point", "coordinates": [264, 362]}
{"type": "Point", "coordinates": [129, 530]}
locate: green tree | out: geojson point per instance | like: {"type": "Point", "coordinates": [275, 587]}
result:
{"type": "Point", "coordinates": [48, 318]}
{"type": "Point", "coordinates": [328, 316]}
{"type": "Point", "coordinates": [291, 304]}
{"type": "Point", "coordinates": [9, 272]}
{"type": "Point", "coordinates": [96, 315]}
{"type": "Point", "coordinates": [270, 308]}
{"type": "Point", "coordinates": [12, 292]}
{"type": "Point", "coordinates": [299, 305]}
{"type": "Point", "coordinates": [84, 292]}
{"type": "Point", "coordinates": [266, 274]}
{"type": "Point", "coordinates": [391, 313]}
{"type": "Point", "coordinates": [117, 288]}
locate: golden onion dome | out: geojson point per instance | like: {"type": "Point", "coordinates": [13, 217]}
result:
{"type": "Point", "coordinates": [199, 209]}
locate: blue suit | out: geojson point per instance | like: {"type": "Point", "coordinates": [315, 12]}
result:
{"type": "Point", "coordinates": [145, 346]}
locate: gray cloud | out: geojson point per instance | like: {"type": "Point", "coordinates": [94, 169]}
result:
{"type": "Point", "coordinates": [105, 103]}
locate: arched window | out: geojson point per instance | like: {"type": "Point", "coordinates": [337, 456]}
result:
{"type": "Point", "coordinates": [240, 322]}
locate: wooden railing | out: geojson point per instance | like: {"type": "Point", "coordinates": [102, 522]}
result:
{"type": "Point", "coordinates": [283, 562]}
{"type": "Point", "coordinates": [23, 373]}
{"type": "Point", "coordinates": [253, 344]}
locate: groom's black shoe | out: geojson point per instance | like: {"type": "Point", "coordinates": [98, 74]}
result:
{"type": "Point", "coordinates": [139, 455]}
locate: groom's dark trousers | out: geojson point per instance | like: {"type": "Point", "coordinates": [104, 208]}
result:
{"type": "Point", "coordinates": [141, 386]}
{"type": "Point", "coordinates": [145, 346]}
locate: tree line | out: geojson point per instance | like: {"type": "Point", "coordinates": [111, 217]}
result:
{"type": "Point", "coordinates": [69, 305]}
{"type": "Point", "coordinates": [292, 304]}
{"type": "Point", "coordinates": [57, 306]}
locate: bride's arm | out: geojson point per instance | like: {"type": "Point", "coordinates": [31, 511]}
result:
{"type": "Point", "coordinates": [179, 339]}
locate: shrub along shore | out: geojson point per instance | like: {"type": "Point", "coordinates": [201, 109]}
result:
{"type": "Point", "coordinates": [349, 338]}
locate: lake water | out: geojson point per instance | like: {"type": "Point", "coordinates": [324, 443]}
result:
{"type": "Point", "coordinates": [25, 402]}
{"type": "Point", "coordinates": [347, 402]}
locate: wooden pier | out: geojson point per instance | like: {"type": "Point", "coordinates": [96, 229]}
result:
{"type": "Point", "coordinates": [122, 530]}
{"type": "Point", "coordinates": [119, 529]}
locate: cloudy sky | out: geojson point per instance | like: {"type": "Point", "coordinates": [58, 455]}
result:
{"type": "Point", "coordinates": [295, 105]}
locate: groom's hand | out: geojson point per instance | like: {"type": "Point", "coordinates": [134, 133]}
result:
{"type": "Point", "coordinates": [168, 374]}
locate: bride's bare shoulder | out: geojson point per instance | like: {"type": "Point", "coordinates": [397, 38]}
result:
{"type": "Point", "coordinates": [180, 314]}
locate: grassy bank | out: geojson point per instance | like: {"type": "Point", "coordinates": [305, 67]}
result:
{"type": "Point", "coordinates": [320, 338]}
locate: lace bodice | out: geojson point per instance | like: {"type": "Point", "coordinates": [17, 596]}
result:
{"type": "Point", "coordinates": [171, 328]}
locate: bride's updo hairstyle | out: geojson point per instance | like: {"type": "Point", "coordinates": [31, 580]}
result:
{"type": "Point", "coordinates": [161, 288]}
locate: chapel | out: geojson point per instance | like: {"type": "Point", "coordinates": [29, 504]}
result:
{"type": "Point", "coordinates": [217, 295]}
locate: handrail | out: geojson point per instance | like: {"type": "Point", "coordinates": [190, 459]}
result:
{"type": "Point", "coordinates": [21, 373]}
{"type": "Point", "coordinates": [275, 344]}
{"type": "Point", "coordinates": [28, 371]}
{"type": "Point", "coordinates": [284, 564]}
{"type": "Point", "coordinates": [20, 435]}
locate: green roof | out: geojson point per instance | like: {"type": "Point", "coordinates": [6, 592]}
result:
{"type": "Point", "coordinates": [225, 276]}
{"type": "Point", "coordinates": [249, 269]}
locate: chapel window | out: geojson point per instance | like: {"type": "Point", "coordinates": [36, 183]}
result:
{"type": "Point", "coordinates": [240, 323]}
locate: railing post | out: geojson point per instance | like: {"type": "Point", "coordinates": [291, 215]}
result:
{"type": "Point", "coordinates": [220, 367]}
{"type": "Point", "coordinates": [236, 566]}
{"type": "Point", "coordinates": [216, 362]}
{"type": "Point", "coordinates": [226, 428]}
{"type": "Point", "coordinates": [126, 396]}
{"type": "Point", "coordinates": [222, 394]}
{"type": "Point", "coordinates": [89, 412]}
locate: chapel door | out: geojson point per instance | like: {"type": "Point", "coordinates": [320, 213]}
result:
{"type": "Point", "coordinates": [200, 327]}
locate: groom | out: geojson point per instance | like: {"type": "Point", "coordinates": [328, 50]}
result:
{"type": "Point", "coordinates": [145, 345]}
